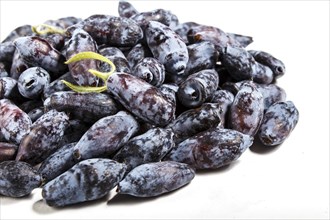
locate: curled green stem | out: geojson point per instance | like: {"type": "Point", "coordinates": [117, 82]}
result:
{"type": "Point", "coordinates": [101, 75]}
{"type": "Point", "coordinates": [43, 29]}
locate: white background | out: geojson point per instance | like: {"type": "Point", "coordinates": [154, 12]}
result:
{"type": "Point", "coordinates": [290, 181]}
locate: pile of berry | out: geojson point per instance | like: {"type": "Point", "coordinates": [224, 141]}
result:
{"type": "Point", "coordinates": [153, 101]}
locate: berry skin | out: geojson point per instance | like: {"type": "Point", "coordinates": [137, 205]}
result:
{"type": "Point", "coordinates": [279, 121]}
{"type": "Point", "coordinates": [32, 82]}
{"type": "Point", "coordinates": [86, 181]}
{"type": "Point", "coordinates": [18, 179]}
{"type": "Point", "coordinates": [153, 179]}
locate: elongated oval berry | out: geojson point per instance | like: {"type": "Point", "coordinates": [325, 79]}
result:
{"type": "Point", "coordinates": [18, 179]}
{"type": "Point", "coordinates": [276, 65]}
{"type": "Point", "coordinates": [142, 99]}
{"type": "Point", "coordinates": [88, 107]}
{"type": "Point", "coordinates": [43, 138]}
{"type": "Point", "coordinates": [196, 120]}
{"type": "Point", "coordinates": [279, 121]}
{"type": "Point", "coordinates": [211, 149]}
{"type": "Point", "coordinates": [113, 31]}
{"type": "Point", "coordinates": [38, 52]}
{"type": "Point", "coordinates": [198, 87]}
{"type": "Point", "coordinates": [167, 47]}
{"type": "Point", "coordinates": [247, 110]}
{"type": "Point", "coordinates": [81, 41]}
{"type": "Point", "coordinates": [153, 179]}
{"type": "Point", "coordinates": [86, 181]}
{"type": "Point", "coordinates": [151, 146]}
{"type": "Point", "coordinates": [14, 123]}
{"type": "Point", "coordinates": [106, 136]}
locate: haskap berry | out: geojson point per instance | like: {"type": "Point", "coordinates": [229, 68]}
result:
{"type": "Point", "coordinates": [155, 100]}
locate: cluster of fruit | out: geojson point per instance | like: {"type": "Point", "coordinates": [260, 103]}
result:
{"type": "Point", "coordinates": [154, 101]}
